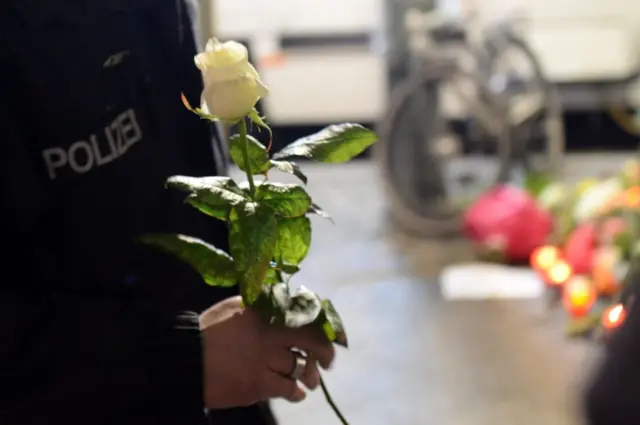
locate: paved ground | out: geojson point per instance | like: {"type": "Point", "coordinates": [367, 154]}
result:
{"type": "Point", "coordinates": [415, 358]}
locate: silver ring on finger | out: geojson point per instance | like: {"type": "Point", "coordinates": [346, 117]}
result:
{"type": "Point", "coordinates": [299, 366]}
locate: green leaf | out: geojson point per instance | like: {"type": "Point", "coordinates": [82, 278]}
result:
{"type": "Point", "coordinates": [276, 272]}
{"type": "Point", "coordinates": [288, 200]}
{"type": "Point", "coordinates": [583, 326]}
{"type": "Point", "coordinates": [289, 269]}
{"type": "Point", "coordinates": [219, 212]}
{"type": "Point", "coordinates": [212, 191]}
{"type": "Point", "coordinates": [277, 305]}
{"type": "Point", "coordinates": [194, 184]}
{"type": "Point", "coordinates": [273, 276]}
{"type": "Point", "coordinates": [624, 242]}
{"type": "Point", "coordinates": [535, 183]}
{"type": "Point", "coordinates": [293, 240]}
{"type": "Point", "coordinates": [337, 143]}
{"type": "Point", "coordinates": [214, 265]}
{"type": "Point", "coordinates": [255, 118]}
{"type": "Point", "coordinates": [252, 241]}
{"type": "Point", "coordinates": [315, 209]}
{"type": "Point", "coordinates": [332, 324]}
{"type": "Point", "coordinates": [272, 303]}
{"type": "Point", "coordinates": [290, 168]}
{"type": "Point", "coordinates": [201, 113]}
{"type": "Point", "coordinates": [258, 156]}
{"type": "Point", "coordinates": [267, 307]}
{"type": "Point", "coordinates": [246, 187]}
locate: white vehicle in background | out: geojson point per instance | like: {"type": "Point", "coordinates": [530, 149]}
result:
{"type": "Point", "coordinates": [322, 59]}
{"type": "Point", "coordinates": [332, 51]}
{"type": "Point", "coordinates": [589, 48]}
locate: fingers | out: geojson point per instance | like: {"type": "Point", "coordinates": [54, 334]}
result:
{"type": "Point", "coordinates": [311, 376]}
{"type": "Point", "coordinates": [309, 339]}
{"type": "Point", "coordinates": [284, 363]}
{"type": "Point", "coordinates": [278, 386]}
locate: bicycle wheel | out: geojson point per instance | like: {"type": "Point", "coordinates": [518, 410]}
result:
{"type": "Point", "coordinates": [412, 134]}
{"type": "Point", "coordinates": [515, 76]}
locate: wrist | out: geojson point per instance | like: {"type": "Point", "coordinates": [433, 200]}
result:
{"type": "Point", "coordinates": [178, 375]}
{"type": "Point", "coordinates": [210, 392]}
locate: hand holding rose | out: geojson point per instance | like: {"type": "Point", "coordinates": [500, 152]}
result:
{"type": "Point", "coordinates": [247, 360]}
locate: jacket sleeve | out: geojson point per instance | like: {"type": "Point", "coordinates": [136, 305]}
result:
{"type": "Point", "coordinates": [612, 394]}
{"type": "Point", "coordinates": [69, 356]}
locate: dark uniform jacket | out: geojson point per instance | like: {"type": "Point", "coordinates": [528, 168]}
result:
{"type": "Point", "coordinates": [612, 391]}
{"type": "Point", "coordinates": [91, 125]}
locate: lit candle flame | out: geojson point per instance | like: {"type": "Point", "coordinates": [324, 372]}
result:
{"type": "Point", "coordinates": [613, 316]}
{"type": "Point", "coordinates": [559, 273]}
{"type": "Point", "coordinates": [579, 296]}
{"type": "Point", "coordinates": [545, 257]}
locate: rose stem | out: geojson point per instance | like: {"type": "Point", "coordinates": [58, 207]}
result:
{"type": "Point", "coordinates": [327, 396]}
{"type": "Point", "coordinates": [242, 127]}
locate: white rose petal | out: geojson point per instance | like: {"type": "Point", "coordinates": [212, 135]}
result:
{"type": "Point", "coordinates": [234, 99]}
{"type": "Point", "coordinates": [232, 86]}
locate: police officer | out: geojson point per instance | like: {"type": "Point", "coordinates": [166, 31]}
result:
{"type": "Point", "coordinates": [93, 325]}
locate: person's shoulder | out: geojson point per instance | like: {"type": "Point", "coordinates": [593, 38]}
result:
{"type": "Point", "coordinates": [23, 13]}
{"type": "Point", "coordinates": [19, 17]}
{"type": "Point", "coordinates": [10, 28]}
{"type": "Point", "coordinates": [35, 13]}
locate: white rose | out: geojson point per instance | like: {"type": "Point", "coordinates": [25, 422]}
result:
{"type": "Point", "coordinates": [232, 86]}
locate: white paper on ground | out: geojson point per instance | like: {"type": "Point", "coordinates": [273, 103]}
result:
{"type": "Point", "coordinates": [482, 281]}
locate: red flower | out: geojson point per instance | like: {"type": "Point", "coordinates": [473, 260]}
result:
{"type": "Point", "coordinates": [508, 219]}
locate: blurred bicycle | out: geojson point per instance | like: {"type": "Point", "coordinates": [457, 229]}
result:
{"type": "Point", "coordinates": [466, 117]}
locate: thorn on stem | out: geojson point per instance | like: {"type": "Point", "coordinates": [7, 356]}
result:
{"type": "Point", "coordinates": [270, 140]}
{"type": "Point", "coordinates": [185, 102]}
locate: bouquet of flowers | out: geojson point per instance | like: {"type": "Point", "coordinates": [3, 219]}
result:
{"type": "Point", "coordinates": [582, 241]}
{"type": "Point", "coordinates": [592, 253]}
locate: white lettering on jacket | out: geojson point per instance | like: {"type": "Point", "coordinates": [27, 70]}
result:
{"type": "Point", "coordinates": [85, 155]}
